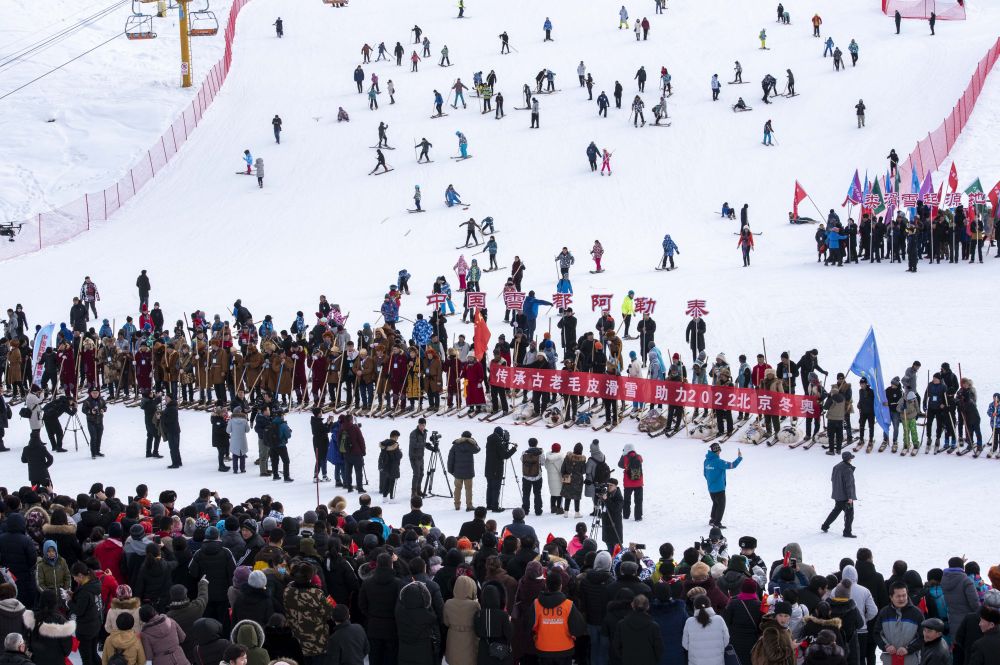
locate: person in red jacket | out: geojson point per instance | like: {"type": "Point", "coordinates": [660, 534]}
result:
{"type": "Point", "coordinates": [354, 453]}
{"type": "Point", "coordinates": [474, 375]}
{"type": "Point", "coordinates": [631, 463]}
{"type": "Point", "coordinates": [110, 553]}
{"type": "Point", "coordinates": [757, 373]}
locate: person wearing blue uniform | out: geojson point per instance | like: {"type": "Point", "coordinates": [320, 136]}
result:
{"type": "Point", "coordinates": [669, 249]}
{"type": "Point", "coordinates": [491, 248]}
{"type": "Point", "coordinates": [715, 476]}
{"type": "Point", "coordinates": [248, 158]}
{"type": "Point", "coordinates": [530, 310]}
{"type": "Point", "coordinates": [547, 26]}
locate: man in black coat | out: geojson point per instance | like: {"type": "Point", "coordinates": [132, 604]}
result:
{"type": "Point", "coordinates": [78, 316]}
{"type": "Point", "coordinates": [809, 362]}
{"type": "Point", "coordinates": [871, 579]}
{"type": "Point", "coordinates": [18, 553]}
{"type": "Point", "coordinates": [142, 283]}
{"type": "Point", "coordinates": [611, 528]}
{"type": "Point", "coordinates": [51, 413]}
{"type": "Point", "coordinates": [567, 327]}
{"type": "Point", "coordinates": [377, 602]}
{"type": "Point", "coordinates": [593, 600]}
{"type": "Point", "coordinates": [986, 650]}
{"type": "Point", "coordinates": [216, 563]}
{"type": "Point", "coordinates": [694, 335]}
{"type": "Point", "coordinates": [171, 430]}
{"type": "Point", "coordinates": [94, 408]}
{"type": "Point", "coordinates": [348, 643]}
{"type": "Point", "coordinates": [647, 335]}
{"type": "Point", "coordinates": [498, 451]}
{"type": "Point", "coordinates": [38, 459]}
{"type": "Point", "coordinates": [843, 494]}
{"type": "Point", "coordinates": [86, 604]}
{"type": "Point", "coordinates": [638, 640]}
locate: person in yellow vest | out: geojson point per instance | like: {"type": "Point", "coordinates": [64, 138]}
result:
{"type": "Point", "coordinates": [628, 311]}
{"type": "Point", "coordinates": [556, 624]}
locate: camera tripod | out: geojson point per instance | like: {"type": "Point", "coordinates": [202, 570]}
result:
{"type": "Point", "coordinates": [503, 481]}
{"type": "Point", "coordinates": [74, 425]}
{"type": "Point", "coordinates": [432, 466]}
{"type": "Point", "coordinates": [597, 521]}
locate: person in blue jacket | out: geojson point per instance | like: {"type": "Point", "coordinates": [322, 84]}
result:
{"type": "Point", "coordinates": [715, 476]}
{"type": "Point", "coordinates": [547, 26]}
{"type": "Point", "coordinates": [359, 78]}
{"type": "Point", "coordinates": [669, 249]}
{"type": "Point", "coordinates": [438, 102]}
{"type": "Point", "coordinates": [833, 238]}
{"type": "Point", "coordinates": [105, 329]}
{"type": "Point", "coordinates": [451, 197]}
{"type": "Point", "coordinates": [491, 248]}
{"type": "Point", "coordinates": [422, 331]}
{"type": "Point", "coordinates": [829, 47]}
{"type": "Point", "coordinates": [530, 310]}
{"type": "Point", "coordinates": [333, 454]}
{"type": "Point", "coordinates": [248, 158]}
{"type": "Point", "coordinates": [390, 311]}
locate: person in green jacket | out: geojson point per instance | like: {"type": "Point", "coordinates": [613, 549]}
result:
{"type": "Point", "coordinates": [51, 570]}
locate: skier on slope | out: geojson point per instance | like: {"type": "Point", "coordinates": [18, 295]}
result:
{"type": "Point", "coordinates": [606, 162]}
{"type": "Point", "coordinates": [444, 56]}
{"type": "Point", "coordinates": [768, 132]}
{"type": "Point", "coordinates": [416, 197]}
{"type": "Point", "coordinates": [716, 87]}
{"type": "Point", "coordinates": [547, 27]}
{"type": "Point", "coordinates": [279, 28]}
{"type": "Point", "coordinates": [383, 140]}
{"type": "Point", "coordinates": [459, 89]}
{"type": "Point", "coordinates": [565, 259]}
{"type": "Point", "coordinates": [581, 72]}
{"type": "Point", "coordinates": [738, 69]}
{"type": "Point", "coordinates": [637, 106]}
{"type": "Point", "coordinates": [424, 146]}
{"type": "Point", "coordinates": [381, 162]}
{"type": "Point", "coordinates": [860, 109]}
{"type": "Point", "coordinates": [414, 59]}
{"type": "Point", "coordinates": [491, 248]}
{"type": "Point", "coordinates": [399, 51]}
{"type": "Point", "coordinates": [470, 232]}
{"type": "Point", "coordinates": [745, 243]}
{"type": "Point", "coordinates": [438, 103]}
{"type": "Point", "coordinates": [603, 104]}
{"type": "Point", "coordinates": [463, 145]}
{"type": "Point", "coordinates": [451, 197]}
{"type": "Point", "coordinates": [592, 153]}
{"type": "Point", "coordinates": [640, 76]}
{"type": "Point", "coordinates": [665, 79]}
{"type": "Point", "coordinates": [622, 18]}
{"type": "Point", "coordinates": [259, 170]}
{"type": "Point", "coordinates": [248, 158]}
{"type": "Point", "coordinates": [669, 249]}
{"type": "Point", "coordinates": [504, 43]}
{"type": "Point", "coordinates": [534, 113]}
{"type": "Point", "coordinates": [276, 125]}
{"type": "Point", "coordinates": [597, 252]}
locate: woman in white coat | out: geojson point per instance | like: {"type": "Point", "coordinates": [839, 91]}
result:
{"type": "Point", "coordinates": [705, 635]}
{"type": "Point", "coordinates": [553, 469]}
{"type": "Point", "coordinates": [238, 427]}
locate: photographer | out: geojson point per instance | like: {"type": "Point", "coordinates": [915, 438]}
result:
{"type": "Point", "coordinates": [498, 450]}
{"type": "Point", "coordinates": [611, 517]}
{"type": "Point", "coordinates": [149, 404]}
{"type": "Point", "coordinates": [418, 444]}
{"type": "Point", "coordinates": [51, 412]}
{"type": "Point", "coordinates": [94, 408]}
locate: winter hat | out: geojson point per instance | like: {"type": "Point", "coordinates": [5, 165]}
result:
{"type": "Point", "coordinates": [136, 532]}
{"type": "Point", "coordinates": [464, 543]}
{"type": "Point", "coordinates": [231, 523]}
{"type": "Point", "coordinates": [434, 564]}
{"type": "Point", "coordinates": [748, 543]}
{"type": "Point", "coordinates": [783, 607]}
{"type": "Point", "coordinates": [269, 524]}
{"type": "Point", "coordinates": [241, 575]}
{"type": "Point", "coordinates": [748, 586]}
{"type": "Point", "coordinates": [341, 613]}
{"type": "Point", "coordinates": [991, 614]}
{"type": "Point", "coordinates": [257, 580]}
{"type": "Point", "coordinates": [629, 569]}
{"type": "Point", "coordinates": [631, 355]}
{"type": "Point", "coordinates": [178, 594]}
{"type": "Point", "coordinates": [934, 623]}
{"type": "Point", "coordinates": [309, 517]}
{"type": "Point", "coordinates": [157, 510]}
{"type": "Point", "coordinates": [700, 571]}
{"type": "Point", "coordinates": [992, 598]}
{"type": "Point", "coordinates": [211, 533]}
{"type": "Point", "coordinates": [556, 447]}
{"type": "Point", "coordinates": [250, 525]}
{"type": "Point", "coordinates": [602, 561]}
{"type": "Point", "coordinates": [895, 381]}
{"type": "Point", "coordinates": [123, 592]}
{"type": "Point", "coordinates": [911, 395]}
{"type": "Point", "coordinates": [843, 590]}
{"type": "Point", "coordinates": [115, 530]}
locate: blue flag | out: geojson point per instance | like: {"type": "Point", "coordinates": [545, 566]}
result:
{"type": "Point", "coordinates": [868, 366]}
{"type": "Point", "coordinates": [914, 189]}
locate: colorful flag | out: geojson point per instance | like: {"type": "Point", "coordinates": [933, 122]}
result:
{"type": "Point", "coordinates": [44, 339]}
{"type": "Point", "coordinates": [994, 193]}
{"type": "Point", "coordinates": [481, 336]}
{"type": "Point", "coordinates": [914, 189]}
{"type": "Point", "coordinates": [854, 191]}
{"type": "Point", "coordinates": [976, 195]}
{"type": "Point", "coordinates": [800, 194]}
{"type": "Point", "coordinates": [868, 366]}
{"type": "Point", "coordinates": [953, 178]}
{"type": "Point", "coordinates": [865, 207]}
{"type": "Point", "coordinates": [879, 206]}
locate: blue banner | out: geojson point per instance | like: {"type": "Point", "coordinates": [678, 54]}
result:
{"type": "Point", "coordinates": [868, 365]}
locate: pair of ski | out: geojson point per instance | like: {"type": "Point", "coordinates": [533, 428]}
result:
{"type": "Point", "coordinates": [666, 269]}
{"type": "Point", "coordinates": [608, 426]}
{"type": "Point", "coordinates": [495, 269]}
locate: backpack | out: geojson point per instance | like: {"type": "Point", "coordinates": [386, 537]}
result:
{"type": "Point", "coordinates": [601, 471]}
{"type": "Point", "coordinates": [343, 441]}
{"type": "Point", "coordinates": [272, 434]}
{"type": "Point", "coordinates": [634, 467]}
{"type": "Point", "coordinates": [118, 658]}
{"type": "Point", "coordinates": [530, 467]}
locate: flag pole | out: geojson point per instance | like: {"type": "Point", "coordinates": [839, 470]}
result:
{"type": "Point", "coordinates": [817, 208]}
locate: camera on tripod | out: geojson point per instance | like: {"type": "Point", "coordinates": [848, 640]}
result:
{"type": "Point", "coordinates": [435, 441]}
{"type": "Point", "coordinates": [9, 230]}
{"type": "Point", "coordinates": [601, 490]}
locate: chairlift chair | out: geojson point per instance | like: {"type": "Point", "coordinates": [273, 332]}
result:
{"type": "Point", "coordinates": [203, 23]}
{"type": "Point", "coordinates": [139, 25]}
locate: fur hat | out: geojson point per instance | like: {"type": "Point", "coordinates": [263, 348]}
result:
{"type": "Point", "coordinates": [257, 580]}
{"type": "Point", "coordinates": [991, 614]}
{"type": "Point", "coordinates": [783, 607]}
{"type": "Point", "coordinates": [700, 571]}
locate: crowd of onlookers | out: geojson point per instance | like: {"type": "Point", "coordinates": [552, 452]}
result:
{"type": "Point", "coordinates": [209, 581]}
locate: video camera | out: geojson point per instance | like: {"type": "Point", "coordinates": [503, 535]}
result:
{"type": "Point", "coordinates": [10, 230]}
{"type": "Point", "coordinates": [435, 441]}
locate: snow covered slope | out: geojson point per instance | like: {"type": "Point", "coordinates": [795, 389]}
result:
{"type": "Point", "coordinates": [320, 225]}
{"type": "Point", "coordinates": [81, 127]}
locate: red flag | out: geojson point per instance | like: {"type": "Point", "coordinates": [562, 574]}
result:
{"type": "Point", "coordinates": [937, 201]}
{"type": "Point", "coordinates": [953, 178]}
{"type": "Point", "coordinates": [481, 336]}
{"type": "Point", "coordinates": [800, 194]}
{"type": "Point", "coordinates": [992, 196]}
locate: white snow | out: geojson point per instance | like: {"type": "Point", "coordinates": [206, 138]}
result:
{"type": "Point", "coordinates": [320, 225]}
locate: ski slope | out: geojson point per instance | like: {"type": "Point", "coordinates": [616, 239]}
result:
{"type": "Point", "coordinates": [82, 126]}
{"type": "Point", "coordinates": [321, 225]}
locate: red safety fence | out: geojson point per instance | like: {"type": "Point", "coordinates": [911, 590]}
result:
{"type": "Point", "coordinates": [68, 221]}
{"type": "Point", "coordinates": [931, 151]}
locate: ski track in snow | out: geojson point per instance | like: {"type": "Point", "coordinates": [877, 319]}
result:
{"type": "Point", "coordinates": [208, 238]}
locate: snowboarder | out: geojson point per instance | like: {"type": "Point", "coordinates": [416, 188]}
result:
{"type": "Point", "coordinates": [640, 76]}
{"type": "Point", "coordinates": [438, 103]}
{"type": "Point", "coordinates": [279, 28]}
{"type": "Point", "coordinates": [416, 197]}
{"type": "Point", "coordinates": [603, 104]}
{"type": "Point", "coordinates": [592, 153]}
{"type": "Point", "coordinates": [276, 124]}
{"type": "Point", "coordinates": [669, 249]}
{"type": "Point", "coordinates": [829, 47]}
{"type": "Point", "coordinates": [499, 105]}
{"type": "Point", "coordinates": [746, 244]}
{"type": "Point", "coordinates": [740, 105]}
{"type": "Point", "coordinates": [860, 108]}
{"type": "Point", "coordinates": [258, 166]}
{"type": "Point", "coordinates": [853, 48]}
{"type": "Point", "coordinates": [534, 113]}
{"type": "Point", "coordinates": [414, 59]}
{"type": "Point", "coordinates": [463, 145]}
{"type": "Point", "coordinates": [547, 27]}
{"type": "Point", "coordinates": [424, 146]}
{"type": "Point", "coordinates": [606, 162]}
{"type": "Point", "coordinates": [622, 18]}
{"type": "Point", "coordinates": [451, 197]}
{"type": "Point", "coordinates": [715, 476]}
{"type": "Point", "coordinates": [843, 494]}
{"type": "Point", "coordinates": [739, 72]}
{"type": "Point", "coordinates": [383, 140]}
{"type": "Point", "coordinates": [381, 162]}
{"type": "Point", "coordinates": [248, 158]}
{"type": "Point", "coordinates": [459, 89]}
{"type": "Point", "coordinates": [504, 43]}
{"type": "Point", "coordinates": [716, 87]}
{"type": "Point", "coordinates": [637, 106]}
{"type": "Point", "coordinates": [359, 78]}
{"type": "Point", "coordinates": [444, 57]}
{"type": "Point", "coordinates": [768, 132]}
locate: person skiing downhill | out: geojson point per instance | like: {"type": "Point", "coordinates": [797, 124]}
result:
{"type": "Point", "coordinates": [597, 252]}
{"type": "Point", "coordinates": [463, 145]}
{"type": "Point", "coordinates": [383, 139]}
{"type": "Point", "coordinates": [716, 87]}
{"type": "Point", "coordinates": [459, 89]}
{"type": "Point", "coordinates": [622, 18]}
{"type": "Point", "coordinates": [438, 103]}
{"type": "Point", "coordinates": [738, 69]}
{"type": "Point", "coordinates": [669, 249]}
{"type": "Point", "coordinates": [637, 115]}
{"type": "Point", "coordinates": [416, 197]}
{"type": "Point", "coordinates": [606, 162]}
{"type": "Point", "coordinates": [746, 244]}
{"type": "Point", "coordinates": [381, 162]}
{"type": "Point", "coordinates": [504, 43]}
{"type": "Point", "coordinates": [768, 132]}
{"type": "Point", "coordinates": [414, 59]}
{"type": "Point", "coordinates": [424, 146]}
{"type": "Point", "coordinates": [451, 197]}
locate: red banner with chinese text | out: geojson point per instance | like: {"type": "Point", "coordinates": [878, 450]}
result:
{"type": "Point", "coordinates": [649, 391]}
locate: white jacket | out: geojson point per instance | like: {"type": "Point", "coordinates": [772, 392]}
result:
{"type": "Point", "coordinates": [553, 467]}
{"type": "Point", "coordinates": [862, 597]}
{"type": "Point", "coordinates": [705, 644]}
